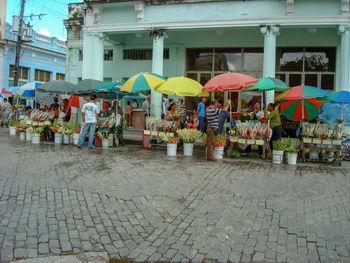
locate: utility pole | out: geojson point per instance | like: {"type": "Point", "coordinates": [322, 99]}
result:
{"type": "Point", "coordinates": [19, 43]}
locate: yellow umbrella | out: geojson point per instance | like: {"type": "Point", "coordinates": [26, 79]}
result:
{"type": "Point", "coordinates": [182, 86]}
{"type": "Point", "coordinates": [143, 82]}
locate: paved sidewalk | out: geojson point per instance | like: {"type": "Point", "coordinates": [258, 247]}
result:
{"type": "Point", "coordinates": [141, 205]}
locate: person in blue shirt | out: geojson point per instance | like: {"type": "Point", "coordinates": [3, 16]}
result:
{"type": "Point", "coordinates": [201, 114]}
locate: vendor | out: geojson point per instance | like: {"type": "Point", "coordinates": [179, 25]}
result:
{"type": "Point", "coordinates": [275, 123]}
{"type": "Point", "coordinates": [257, 114]}
{"type": "Point", "coordinates": [55, 107]}
{"type": "Point", "coordinates": [67, 109]}
{"type": "Point", "coordinates": [134, 104]}
{"type": "Point", "coordinates": [172, 114]}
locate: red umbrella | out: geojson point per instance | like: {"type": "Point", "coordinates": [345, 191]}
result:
{"type": "Point", "coordinates": [302, 109]}
{"type": "Point", "coordinates": [229, 81]}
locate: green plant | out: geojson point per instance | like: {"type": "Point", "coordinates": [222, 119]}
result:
{"type": "Point", "coordinates": [292, 146]}
{"type": "Point", "coordinates": [33, 130]}
{"type": "Point", "coordinates": [189, 135]}
{"type": "Point", "coordinates": [205, 138]}
{"type": "Point", "coordinates": [221, 140]}
{"type": "Point", "coordinates": [13, 123]}
{"type": "Point", "coordinates": [278, 145]}
{"type": "Point", "coordinates": [104, 135]}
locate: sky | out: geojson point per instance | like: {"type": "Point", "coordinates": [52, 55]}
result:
{"type": "Point", "coordinates": [50, 24]}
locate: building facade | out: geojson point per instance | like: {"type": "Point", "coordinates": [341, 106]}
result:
{"type": "Point", "coordinates": [42, 59]}
{"type": "Point", "coordinates": [300, 42]}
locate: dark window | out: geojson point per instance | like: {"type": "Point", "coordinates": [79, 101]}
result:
{"type": "Point", "coordinates": [294, 80]}
{"type": "Point", "coordinates": [23, 72]}
{"type": "Point", "coordinates": [320, 59]}
{"type": "Point", "coordinates": [327, 81]}
{"type": "Point", "coordinates": [108, 55]}
{"type": "Point", "coordinates": [228, 59]}
{"type": "Point", "coordinates": [291, 59]}
{"type": "Point", "coordinates": [200, 59]}
{"type": "Point", "coordinates": [311, 80]}
{"type": "Point", "coordinates": [60, 76]}
{"type": "Point", "coordinates": [253, 59]}
{"type": "Point", "coordinates": [42, 75]}
{"type": "Point", "coordinates": [141, 54]}
{"type": "Point", "coordinates": [80, 58]}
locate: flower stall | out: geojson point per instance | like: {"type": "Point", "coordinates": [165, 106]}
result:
{"type": "Point", "coordinates": [250, 133]}
{"type": "Point", "coordinates": [322, 142]}
{"type": "Point", "coordinates": [155, 130]}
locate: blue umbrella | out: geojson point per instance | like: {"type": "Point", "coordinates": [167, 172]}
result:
{"type": "Point", "coordinates": [339, 97]}
{"type": "Point", "coordinates": [28, 90]}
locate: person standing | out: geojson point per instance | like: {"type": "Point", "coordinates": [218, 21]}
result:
{"type": "Point", "coordinates": [89, 113]}
{"type": "Point", "coordinates": [55, 107]}
{"type": "Point", "coordinates": [128, 110]}
{"type": "Point", "coordinates": [67, 109]}
{"type": "Point", "coordinates": [275, 123]}
{"type": "Point", "coordinates": [146, 107]}
{"type": "Point", "coordinates": [201, 114]}
{"type": "Point", "coordinates": [134, 104]}
{"type": "Point", "coordinates": [165, 106]}
{"type": "Point", "coordinates": [6, 111]}
{"type": "Point", "coordinates": [213, 113]}
{"type": "Point", "coordinates": [224, 115]}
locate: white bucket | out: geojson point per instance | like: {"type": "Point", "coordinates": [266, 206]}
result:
{"type": "Point", "coordinates": [292, 158]}
{"type": "Point", "coordinates": [76, 138]}
{"type": "Point", "coordinates": [28, 136]}
{"type": "Point", "coordinates": [66, 138]}
{"type": "Point", "coordinates": [13, 130]}
{"type": "Point", "coordinates": [171, 149]}
{"type": "Point", "coordinates": [219, 153]}
{"type": "Point", "coordinates": [105, 143]}
{"type": "Point", "coordinates": [188, 149]}
{"type": "Point", "coordinates": [22, 136]}
{"type": "Point", "coordinates": [36, 138]}
{"type": "Point", "coordinates": [58, 138]}
{"type": "Point", "coordinates": [110, 142]}
{"type": "Point", "coordinates": [277, 157]}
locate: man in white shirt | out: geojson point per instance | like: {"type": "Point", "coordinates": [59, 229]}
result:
{"type": "Point", "coordinates": [257, 114]}
{"type": "Point", "coordinates": [89, 112]}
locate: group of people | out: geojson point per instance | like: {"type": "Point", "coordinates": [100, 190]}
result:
{"type": "Point", "coordinates": [217, 115]}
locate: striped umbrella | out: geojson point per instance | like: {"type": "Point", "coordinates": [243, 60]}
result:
{"type": "Point", "coordinates": [143, 82]}
{"type": "Point", "coordinates": [302, 92]}
{"type": "Point", "coordinates": [110, 87]}
{"type": "Point", "coordinates": [303, 109]}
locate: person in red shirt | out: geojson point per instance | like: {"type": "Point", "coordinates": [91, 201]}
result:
{"type": "Point", "coordinates": [67, 109]}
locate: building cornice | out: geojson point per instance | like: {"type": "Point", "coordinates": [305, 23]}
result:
{"type": "Point", "coordinates": [252, 22]}
{"type": "Point", "coordinates": [36, 59]}
{"type": "Point", "coordinates": [36, 49]}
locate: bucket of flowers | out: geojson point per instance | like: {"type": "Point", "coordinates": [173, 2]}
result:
{"type": "Point", "coordinates": [104, 137]}
{"type": "Point", "coordinates": [172, 142]}
{"type": "Point", "coordinates": [188, 136]}
{"type": "Point", "coordinates": [219, 146]}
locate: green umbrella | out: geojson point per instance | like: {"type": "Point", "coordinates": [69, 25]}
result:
{"type": "Point", "coordinates": [267, 83]}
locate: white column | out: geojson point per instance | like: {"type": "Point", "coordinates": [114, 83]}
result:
{"type": "Point", "coordinates": [344, 82]}
{"type": "Point", "coordinates": [157, 67]}
{"type": "Point", "coordinates": [92, 56]}
{"type": "Point", "coordinates": [269, 66]}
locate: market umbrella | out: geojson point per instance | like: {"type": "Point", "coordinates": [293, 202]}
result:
{"type": "Point", "coordinates": [302, 109]}
{"type": "Point", "coordinates": [143, 82]}
{"type": "Point", "coordinates": [57, 86]}
{"type": "Point", "coordinates": [131, 96]}
{"type": "Point", "coordinates": [28, 90]}
{"type": "Point", "coordinates": [181, 86]}
{"type": "Point", "coordinates": [45, 98]}
{"type": "Point", "coordinates": [340, 97]}
{"type": "Point", "coordinates": [10, 91]}
{"type": "Point", "coordinates": [302, 92]}
{"type": "Point", "coordinates": [229, 81]}
{"type": "Point", "coordinates": [110, 87]}
{"type": "Point", "coordinates": [86, 86]}
{"type": "Point", "coordinates": [267, 84]}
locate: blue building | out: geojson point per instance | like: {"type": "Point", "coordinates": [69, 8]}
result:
{"type": "Point", "coordinates": [42, 59]}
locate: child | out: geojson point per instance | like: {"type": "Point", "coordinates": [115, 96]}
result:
{"type": "Point", "coordinates": [128, 110]}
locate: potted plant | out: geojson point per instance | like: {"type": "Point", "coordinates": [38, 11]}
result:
{"type": "Point", "coordinates": [292, 149]}
{"type": "Point", "coordinates": [59, 135]}
{"type": "Point", "coordinates": [76, 133]}
{"type": "Point", "coordinates": [188, 136]}
{"type": "Point", "coordinates": [12, 125]}
{"type": "Point", "coordinates": [278, 151]}
{"type": "Point", "coordinates": [172, 142]}
{"type": "Point", "coordinates": [36, 134]}
{"type": "Point", "coordinates": [105, 138]}
{"type": "Point", "coordinates": [220, 145]}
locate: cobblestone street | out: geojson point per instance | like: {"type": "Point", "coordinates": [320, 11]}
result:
{"type": "Point", "coordinates": [139, 204]}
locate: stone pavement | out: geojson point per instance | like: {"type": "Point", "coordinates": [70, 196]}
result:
{"type": "Point", "coordinates": [140, 205]}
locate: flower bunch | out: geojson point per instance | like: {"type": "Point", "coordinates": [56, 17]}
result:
{"type": "Point", "coordinates": [292, 146]}
{"type": "Point", "coordinates": [221, 140]}
{"type": "Point", "coordinates": [104, 135]}
{"type": "Point", "coordinates": [76, 128]}
{"type": "Point", "coordinates": [166, 137]}
{"type": "Point", "coordinates": [189, 135]}
{"type": "Point", "coordinates": [205, 138]}
{"type": "Point", "coordinates": [33, 130]}
{"type": "Point", "coordinates": [55, 127]}
{"type": "Point", "coordinates": [307, 130]}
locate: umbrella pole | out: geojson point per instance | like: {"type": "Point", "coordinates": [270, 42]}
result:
{"type": "Point", "coordinates": [302, 110]}
{"type": "Point", "coordinates": [342, 112]}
